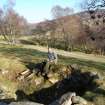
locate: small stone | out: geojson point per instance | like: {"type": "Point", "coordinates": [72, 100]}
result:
{"type": "Point", "coordinates": [53, 80]}
{"type": "Point", "coordinates": [96, 75]}
{"type": "Point", "coordinates": [4, 71]}
{"type": "Point", "coordinates": [65, 99]}
{"type": "Point", "coordinates": [78, 100]}
{"type": "Point", "coordinates": [64, 69]}
{"type": "Point", "coordinates": [50, 75]}
{"type": "Point", "coordinates": [75, 66]}
{"type": "Point", "coordinates": [38, 81]}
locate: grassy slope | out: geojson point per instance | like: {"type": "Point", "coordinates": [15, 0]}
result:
{"type": "Point", "coordinates": [16, 59]}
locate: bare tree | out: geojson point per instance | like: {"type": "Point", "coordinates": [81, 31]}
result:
{"type": "Point", "coordinates": [95, 9]}
{"type": "Point", "coordinates": [11, 24]}
{"type": "Point", "coordinates": [94, 4]}
{"type": "Point", "coordinates": [58, 14]}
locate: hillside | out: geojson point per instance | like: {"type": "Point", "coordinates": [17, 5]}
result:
{"type": "Point", "coordinates": [70, 23]}
{"type": "Point", "coordinates": [78, 32]}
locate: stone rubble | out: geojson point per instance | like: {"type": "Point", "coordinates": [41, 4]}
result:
{"type": "Point", "coordinates": [20, 103]}
{"type": "Point", "coordinates": [69, 99]}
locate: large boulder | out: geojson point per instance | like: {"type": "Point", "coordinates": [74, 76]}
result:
{"type": "Point", "coordinates": [78, 100]}
{"type": "Point", "coordinates": [70, 99]}
{"type": "Point", "coordinates": [65, 99]}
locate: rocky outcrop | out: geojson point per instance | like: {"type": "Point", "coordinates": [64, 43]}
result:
{"type": "Point", "coordinates": [60, 79]}
{"type": "Point", "coordinates": [20, 103]}
{"type": "Point", "coordinates": [4, 94]}
{"type": "Point", "coordinates": [69, 99]}
{"type": "Point", "coordinates": [53, 78]}
{"type": "Point", "coordinates": [78, 100]}
{"type": "Point", "coordinates": [39, 81]}
{"type": "Point", "coordinates": [24, 103]}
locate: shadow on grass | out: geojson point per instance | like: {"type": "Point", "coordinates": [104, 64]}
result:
{"type": "Point", "coordinates": [22, 53]}
{"type": "Point", "coordinates": [100, 91]}
{"type": "Point", "coordinates": [97, 65]}
{"type": "Point", "coordinates": [7, 101]}
{"type": "Point", "coordinates": [78, 82]}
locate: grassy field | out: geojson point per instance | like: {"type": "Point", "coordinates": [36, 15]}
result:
{"type": "Point", "coordinates": [25, 55]}
{"type": "Point", "coordinates": [16, 59]}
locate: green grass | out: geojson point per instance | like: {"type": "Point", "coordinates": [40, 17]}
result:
{"type": "Point", "coordinates": [22, 53]}
{"type": "Point", "coordinates": [1, 37]}
{"type": "Point", "coordinates": [16, 59]}
{"type": "Point", "coordinates": [86, 63]}
{"type": "Point", "coordinates": [31, 55]}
